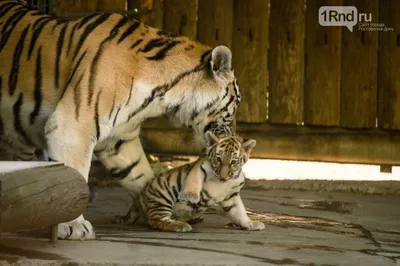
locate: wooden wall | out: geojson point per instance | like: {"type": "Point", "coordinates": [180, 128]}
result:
{"type": "Point", "coordinates": [309, 92]}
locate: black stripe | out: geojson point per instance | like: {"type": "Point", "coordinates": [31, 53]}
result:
{"type": "Point", "coordinates": [35, 36]}
{"type": "Point", "coordinates": [228, 208]}
{"type": "Point", "coordinates": [5, 8]}
{"type": "Point", "coordinates": [162, 89]}
{"type": "Point", "coordinates": [232, 195]}
{"type": "Point", "coordinates": [96, 116]}
{"type": "Point", "coordinates": [89, 29]}
{"type": "Point", "coordinates": [113, 105]}
{"type": "Point", "coordinates": [166, 33]}
{"type": "Point", "coordinates": [179, 179]}
{"type": "Point", "coordinates": [58, 23]}
{"type": "Point", "coordinates": [93, 67]}
{"type": "Point", "coordinates": [77, 96]}
{"type": "Point", "coordinates": [118, 144]}
{"type": "Point", "coordinates": [86, 19]}
{"type": "Point", "coordinates": [118, 173]}
{"type": "Point", "coordinates": [160, 194]}
{"type": "Point", "coordinates": [160, 55]}
{"type": "Point", "coordinates": [12, 82]}
{"type": "Point", "coordinates": [204, 173]}
{"type": "Point", "coordinates": [71, 37]}
{"type": "Point", "coordinates": [60, 42]}
{"type": "Point", "coordinates": [73, 74]}
{"type": "Point", "coordinates": [6, 35]}
{"type": "Point", "coordinates": [128, 31]}
{"type": "Point", "coordinates": [136, 43]}
{"type": "Point", "coordinates": [130, 93]}
{"type": "Point", "coordinates": [138, 177]}
{"type": "Point", "coordinates": [14, 19]}
{"type": "Point", "coordinates": [154, 43]}
{"type": "Point", "coordinates": [116, 116]}
{"type": "Point", "coordinates": [17, 119]}
{"type": "Point", "coordinates": [203, 56]}
{"type": "Point", "coordinates": [38, 87]}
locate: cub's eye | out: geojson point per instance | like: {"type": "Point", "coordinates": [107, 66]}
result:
{"type": "Point", "coordinates": [234, 162]}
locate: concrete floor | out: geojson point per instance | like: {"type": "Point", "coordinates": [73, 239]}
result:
{"type": "Point", "coordinates": [302, 228]}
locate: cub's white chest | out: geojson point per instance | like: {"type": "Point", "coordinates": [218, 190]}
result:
{"type": "Point", "coordinates": [220, 190]}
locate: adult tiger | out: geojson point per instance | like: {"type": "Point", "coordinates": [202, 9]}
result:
{"type": "Point", "coordinates": [74, 87]}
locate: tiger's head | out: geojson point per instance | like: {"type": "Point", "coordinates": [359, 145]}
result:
{"type": "Point", "coordinates": [211, 97]}
{"type": "Point", "coordinates": [227, 154]}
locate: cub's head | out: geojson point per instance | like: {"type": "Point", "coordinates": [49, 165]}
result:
{"type": "Point", "coordinates": [211, 97]}
{"type": "Point", "coordinates": [227, 154]}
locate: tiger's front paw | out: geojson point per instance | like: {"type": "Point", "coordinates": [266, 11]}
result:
{"type": "Point", "coordinates": [76, 230]}
{"type": "Point", "coordinates": [256, 226]}
{"type": "Point", "coordinates": [189, 196]}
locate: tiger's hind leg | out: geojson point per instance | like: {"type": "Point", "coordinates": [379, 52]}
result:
{"type": "Point", "coordinates": [126, 161]}
{"type": "Point", "coordinates": [169, 225]}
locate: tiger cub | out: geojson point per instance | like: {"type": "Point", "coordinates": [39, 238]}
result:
{"type": "Point", "coordinates": [179, 197]}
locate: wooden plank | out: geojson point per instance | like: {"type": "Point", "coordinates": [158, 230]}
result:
{"type": "Point", "coordinates": [389, 66]}
{"type": "Point", "coordinates": [286, 59]}
{"type": "Point", "coordinates": [42, 196]}
{"type": "Point", "coordinates": [250, 58]}
{"type": "Point", "coordinates": [323, 68]}
{"type": "Point", "coordinates": [215, 22]}
{"type": "Point", "coordinates": [292, 143]}
{"type": "Point", "coordinates": [68, 6]}
{"type": "Point", "coordinates": [360, 71]}
{"type": "Point", "coordinates": [180, 17]}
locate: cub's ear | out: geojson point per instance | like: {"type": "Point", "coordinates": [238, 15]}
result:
{"type": "Point", "coordinates": [248, 145]}
{"type": "Point", "coordinates": [221, 63]}
{"type": "Point", "coordinates": [211, 138]}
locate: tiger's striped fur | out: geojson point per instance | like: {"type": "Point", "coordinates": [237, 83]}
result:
{"type": "Point", "coordinates": [181, 195]}
{"type": "Point", "coordinates": [77, 87]}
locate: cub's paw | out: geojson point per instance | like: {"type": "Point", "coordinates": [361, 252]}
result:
{"type": "Point", "coordinates": [256, 226]}
{"type": "Point", "coordinates": [196, 220]}
{"type": "Point", "coordinates": [76, 230]}
{"type": "Point", "coordinates": [128, 219]}
{"type": "Point", "coordinates": [189, 196]}
{"type": "Point", "coordinates": [177, 226]}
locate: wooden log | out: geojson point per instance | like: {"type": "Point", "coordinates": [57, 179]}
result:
{"type": "Point", "coordinates": [292, 143]}
{"type": "Point", "coordinates": [360, 71]}
{"type": "Point", "coordinates": [389, 66]}
{"type": "Point", "coordinates": [250, 58]}
{"type": "Point", "coordinates": [215, 22]}
{"type": "Point", "coordinates": [180, 17]}
{"type": "Point", "coordinates": [41, 196]}
{"type": "Point", "coordinates": [323, 68]}
{"type": "Point", "coordinates": [286, 56]}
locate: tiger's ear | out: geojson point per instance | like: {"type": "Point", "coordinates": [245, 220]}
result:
{"type": "Point", "coordinates": [211, 138]}
{"type": "Point", "coordinates": [248, 145]}
{"type": "Point", "coordinates": [221, 63]}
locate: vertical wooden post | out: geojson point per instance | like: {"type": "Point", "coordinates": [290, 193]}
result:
{"type": "Point", "coordinates": [389, 66]}
{"type": "Point", "coordinates": [286, 62]}
{"type": "Point", "coordinates": [180, 17]}
{"type": "Point", "coordinates": [323, 68]}
{"type": "Point", "coordinates": [64, 7]}
{"type": "Point", "coordinates": [360, 71]}
{"type": "Point", "coordinates": [250, 58]}
{"type": "Point", "coordinates": [215, 22]}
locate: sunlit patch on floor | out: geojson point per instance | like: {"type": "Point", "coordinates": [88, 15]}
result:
{"type": "Point", "coordinates": [278, 169]}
